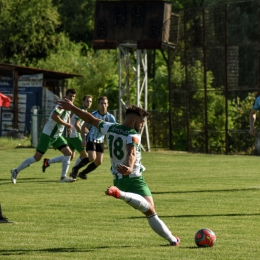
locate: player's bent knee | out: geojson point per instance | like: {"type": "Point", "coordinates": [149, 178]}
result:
{"type": "Point", "coordinates": [144, 206]}
{"type": "Point", "coordinates": [98, 163]}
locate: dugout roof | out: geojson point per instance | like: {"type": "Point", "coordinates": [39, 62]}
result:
{"type": "Point", "coordinates": [48, 74]}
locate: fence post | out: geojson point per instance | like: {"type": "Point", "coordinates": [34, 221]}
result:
{"type": "Point", "coordinates": [34, 131]}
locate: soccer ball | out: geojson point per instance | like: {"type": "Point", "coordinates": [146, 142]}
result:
{"type": "Point", "coordinates": [205, 237]}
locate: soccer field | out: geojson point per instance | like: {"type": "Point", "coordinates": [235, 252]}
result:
{"type": "Point", "coordinates": [78, 221]}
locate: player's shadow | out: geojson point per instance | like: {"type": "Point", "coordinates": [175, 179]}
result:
{"type": "Point", "coordinates": [53, 250]}
{"type": "Point", "coordinates": [5, 252]}
{"type": "Point", "coordinates": [205, 215]}
{"type": "Point", "coordinates": [198, 191]}
{"type": "Point", "coordinates": [27, 180]}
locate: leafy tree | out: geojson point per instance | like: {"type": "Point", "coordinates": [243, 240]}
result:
{"type": "Point", "coordinates": [215, 110]}
{"type": "Point", "coordinates": [99, 70]}
{"type": "Point", "coordinates": [158, 85]}
{"type": "Point", "coordinates": [77, 19]}
{"type": "Point", "coordinates": [239, 112]}
{"type": "Point", "coordinates": [27, 29]}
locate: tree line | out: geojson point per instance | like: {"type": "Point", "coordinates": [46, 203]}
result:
{"type": "Point", "coordinates": [57, 35]}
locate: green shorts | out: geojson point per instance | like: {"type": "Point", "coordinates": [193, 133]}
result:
{"type": "Point", "coordinates": [46, 141]}
{"type": "Point", "coordinates": [135, 185]}
{"type": "Point", "coordinates": [75, 144]}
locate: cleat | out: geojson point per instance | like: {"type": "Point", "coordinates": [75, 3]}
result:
{"type": "Point", "coordinates": [45, 164]}
{"type": "Point", "coordinates": [14, 174]}
{"type": "Point", "coordinates": [113, 191]}
{"type": "Point", "coordinates": [71, 175]}
{"type": "Point", "coordinates": [82, 175]}
{"type": "Point", "coordinates": [65, 179]}
{"type": "Point", "coordinates": [74, 174]}
{"type": "Point", "coordinates": [176, 243]}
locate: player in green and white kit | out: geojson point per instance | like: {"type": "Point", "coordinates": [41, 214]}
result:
{"type": "Point", "coordinates": [74, 139]}
{"type": "Point", "coordinates": [124, 144]}
{"type": "Point", "coordinates": [52, 136]}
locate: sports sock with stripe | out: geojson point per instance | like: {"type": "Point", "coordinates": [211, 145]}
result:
{"type": "Point", "coordinates": [160, 228]}
{"type": "Point", "coordinates": [65, 165]}
{"type": "Point", "coordinates": [135, 200]}
{"type": "Point", "coordinates": [56, 159]}
{"type": "Point", "coordinates": [27, 162]}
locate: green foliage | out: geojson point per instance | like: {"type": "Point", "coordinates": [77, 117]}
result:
{"type": "Point", "coordinates": [99, 70]}
{"type": "Point", "coordinates": [9, 142]}
{"type": "Point", "coordinates": [210, 100]}
{"type": "Point", "coordinates": [77, 19]}
{"type": "Point", "coordinates": [57, 34]}
{"type": "Point", "coordinates": [27, 29]}
{"type": "Point", "coordinates": [158, 86]}
{"type": "Point", "coordinates": [239, 111]}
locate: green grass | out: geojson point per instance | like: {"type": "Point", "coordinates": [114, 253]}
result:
{"type": "Point", "coordinates": [77, 221]}
{"type": "Point", "coordinates": [9, 142]}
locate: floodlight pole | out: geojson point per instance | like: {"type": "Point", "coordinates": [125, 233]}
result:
{"type": "Point", "coordinates": [137, 73]}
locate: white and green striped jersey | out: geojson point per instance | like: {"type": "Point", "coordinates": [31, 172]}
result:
{"type": "Point", "coordinates": [52, 128]}
{"type": "Point", "coordinates": [118, 137]}
{"type": "Point", "coordinates": [73, 120]}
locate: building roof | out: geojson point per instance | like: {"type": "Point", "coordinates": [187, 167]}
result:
{"type": "Point", "coordinates": [48, 74]}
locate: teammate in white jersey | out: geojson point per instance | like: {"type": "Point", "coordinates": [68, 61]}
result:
{"type": "Point", "coordinates": [124, 144]}
{"type": "Point", "coordinates": [52, 136]}
{"type": "Point", "coordinates": [74, 139]}
{"type": "Point", "coordinates": [94, 141]}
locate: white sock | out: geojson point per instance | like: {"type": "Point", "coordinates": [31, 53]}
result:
{"type": "Point", "coordinates": [135, 200]}
{"type": "Point", "coordinates": [56, 159]}
{"type": "Point", "coordinates": [27, 162]}
{"type": "Point", "coordinates": [78, 161]}
{"type": "Point", "coordinates": [160, 228]}
{"type": "Point", "coordinates": [65, 165]}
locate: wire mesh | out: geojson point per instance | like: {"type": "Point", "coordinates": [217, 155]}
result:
{"type": "Point", "coordinates": [219, 49]}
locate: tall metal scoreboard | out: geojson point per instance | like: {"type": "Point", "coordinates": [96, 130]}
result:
{"type": "Point", "coordinates": [145, 23]}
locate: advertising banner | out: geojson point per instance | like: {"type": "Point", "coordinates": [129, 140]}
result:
{"type": "Point", "coordinates": [29, 97]}
{"type": "Point", "coordinates": [6, 114]}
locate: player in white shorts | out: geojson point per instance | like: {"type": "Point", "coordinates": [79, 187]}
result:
{"type": "Point", "coordinates": [124, 145]}
{"type": "Point", "coordinates": [52, 136]}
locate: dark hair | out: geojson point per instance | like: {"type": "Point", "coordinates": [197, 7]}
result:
{"type": "Point", "coordinates": [137, 111]}
{"type": "Point", "coordinates": [87, 96]}
{"type": "Point", "coordinates": [102, 98]}
{"type": "Point", "coordinates": [70, 90]}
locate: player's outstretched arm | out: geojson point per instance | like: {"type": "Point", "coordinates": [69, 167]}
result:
{"type": "Point", "coordinates": [68, 105]}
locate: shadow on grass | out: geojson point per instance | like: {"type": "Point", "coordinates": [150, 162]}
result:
{"type": "Point", "coordinates": [198, 191]}
{"type": "Point", "coordinates": [26, 180]}
{"type": "Point", "coordinates": [53, 250]}
{"type": "Point", "coordinates": [72, 250]}
{"type": "Point", "coordinates": [205, 215]}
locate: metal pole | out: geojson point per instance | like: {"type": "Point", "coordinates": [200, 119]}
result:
{"type": "Point", "coordinates": [205, 86]}
{"type": "Point", "coordinates": [226, 80]}
{"type": "Point", "coordinates": [186, 82]}
{"type": "Point", "coordinates": [141, 59]}
{"type": "Point", "coordinates": [170, 98]}
{"type": "Point", "coordinates": [138, 95]}
{"type": "Point", "coordinates": [119, 85]}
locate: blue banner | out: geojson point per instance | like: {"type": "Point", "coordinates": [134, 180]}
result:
{"type": "Point", "coordinates": [29, 97]}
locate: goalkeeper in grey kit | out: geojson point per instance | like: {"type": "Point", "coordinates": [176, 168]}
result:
{"type": "Point", "coordinates": [124, 144]}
